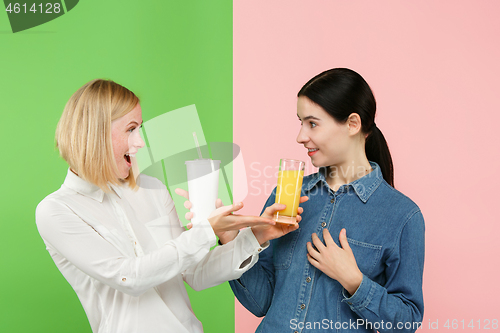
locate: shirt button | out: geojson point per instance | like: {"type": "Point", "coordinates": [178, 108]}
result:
{"type": "Point", "coordinates": [302, 306]}
{"type": "Point", "coordinates": [124, 279]}
{"type": "Point", "coordinates": [323, 224]}
{"type": "Point", "coordinates": [333, 200]}
{"type": "Point", "coordinates": [259, 250]}
{"type": "Point", "coordinates": [308, 279]}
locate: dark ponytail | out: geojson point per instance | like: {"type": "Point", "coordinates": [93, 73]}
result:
{"type": "Point", "coordinates": [377, 150]}
{"type": "Point", "coordinates": [340, 92]}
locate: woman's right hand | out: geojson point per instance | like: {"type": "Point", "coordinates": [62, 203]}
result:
{"type": "Point", "coordinates": [265, 233]}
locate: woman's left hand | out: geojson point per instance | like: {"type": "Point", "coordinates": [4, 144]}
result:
{"type": "Point", "coordinates": [336, 262]}
{"type": "Point", "coordinates": [225, 236]}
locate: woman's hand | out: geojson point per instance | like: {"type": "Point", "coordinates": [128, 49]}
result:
{"type": "Point", "coordinates": [227, 221]}
{"type": "Point", "coordinates": [336, 262]}
{"type": "Point", "coordinates": [265, 233]}
{"type": "Point", "coordinates": [224, 236]}
{"type": "Point", "coordinates": [187, 204]}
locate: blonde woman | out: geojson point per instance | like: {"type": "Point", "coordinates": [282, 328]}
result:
{"type": "Point", "coordinates": [118, 242]}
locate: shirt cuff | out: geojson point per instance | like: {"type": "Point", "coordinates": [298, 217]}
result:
{"type": "Point", "coordinates": [362, 296]}
{"type": "Point", "coordinates": [250, 244]}
{"type": "Point", "coordinates": [207, 228]}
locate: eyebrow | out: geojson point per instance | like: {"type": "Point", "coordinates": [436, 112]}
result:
{"type": "Point", "coordinates": [308, 117]}
{"type": "Point", "coordinates": [135, 122]}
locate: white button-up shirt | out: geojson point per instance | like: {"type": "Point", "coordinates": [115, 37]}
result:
{"type": "Point", "coordinates": [127, 255]}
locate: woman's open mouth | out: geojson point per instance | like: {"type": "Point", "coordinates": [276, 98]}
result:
{"type": "Point", "coordinates": [128, 159]}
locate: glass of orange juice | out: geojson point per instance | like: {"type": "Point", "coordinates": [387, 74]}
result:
{"type": "Point", "coordinates": [288, 190]}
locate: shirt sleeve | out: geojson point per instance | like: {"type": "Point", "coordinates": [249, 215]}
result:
{"type": "Point", "coordinates": [400, 301]}
{"type": "Point", "coordinates": [226, 262]}
{"type": "Point", "coordinates": [255, 288]}
{"type": "Point", "coordinates": [79, 243]}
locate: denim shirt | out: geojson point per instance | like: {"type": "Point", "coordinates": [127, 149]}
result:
{"type": "Point", "coordinates": [385, 231]}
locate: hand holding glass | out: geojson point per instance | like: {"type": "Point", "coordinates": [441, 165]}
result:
{"type": "Point", "coordinates": [291, 173]}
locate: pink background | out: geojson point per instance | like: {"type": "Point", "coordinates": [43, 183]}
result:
{"type": "Point", "coordinates": [434, 67]}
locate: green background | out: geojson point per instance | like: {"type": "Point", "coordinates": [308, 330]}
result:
{"type": "Point", "coordinates": [171, 54]}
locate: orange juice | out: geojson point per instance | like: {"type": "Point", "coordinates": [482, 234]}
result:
{"type": "Point", "coordinates": [288, 193]}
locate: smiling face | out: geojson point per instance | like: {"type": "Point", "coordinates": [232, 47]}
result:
{"type": "Point", "coordinates": [126, 139]}
{"type": "Point", "coordinates": [327, 141]}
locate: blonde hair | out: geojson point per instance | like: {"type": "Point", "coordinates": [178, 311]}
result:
{"type": "Point", "coordinates": [83, 134]}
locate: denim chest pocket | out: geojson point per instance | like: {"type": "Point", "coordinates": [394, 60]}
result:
{"type": "Point", "coordinates": [283, 250]}
{"type": "Point", "coordinates": [367, 255]}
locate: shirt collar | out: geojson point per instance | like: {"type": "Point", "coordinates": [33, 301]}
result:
{"type": "Point", "coordinates": [118, 190]}
{"type": "Point", "coordinates": [86, 188]}
{"type": "Point", "coordinates": [364, 186]}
